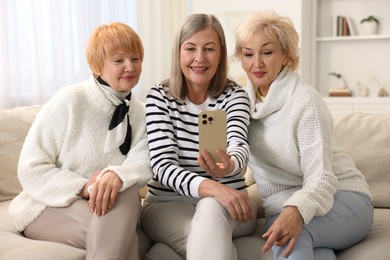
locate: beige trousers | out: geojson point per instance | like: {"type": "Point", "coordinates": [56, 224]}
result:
{"type": "Point", "coordinates": [110, 236]}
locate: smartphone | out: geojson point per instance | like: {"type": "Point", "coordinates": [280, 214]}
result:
{"type": "Point", "coordinates": [212, 131]}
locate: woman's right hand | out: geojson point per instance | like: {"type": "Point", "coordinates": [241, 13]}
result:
{"type": "Point", "coordinates": [237, 203]}
{"type": "Point", "coordinates": [285, 230]}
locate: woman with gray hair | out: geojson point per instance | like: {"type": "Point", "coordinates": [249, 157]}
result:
{"type": "Point", "coordinates": [195, 205]}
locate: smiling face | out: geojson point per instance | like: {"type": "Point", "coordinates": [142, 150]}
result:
{"type": "Point", "coordinates": [199, 58]}
{"type": "Point", "coordinates": [122, 70]}
{"type": "Point", "coordinates": [262, 59]}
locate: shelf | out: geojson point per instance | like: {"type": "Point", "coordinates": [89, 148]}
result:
{"type": "Point", "coordinates": [358, 104]}
{"type": "Point", "coordinates": [358, 57]}
{"type": "Point", "coordinates": [361, 100]}
{"type": "Point", "coordinates": [353, 38]}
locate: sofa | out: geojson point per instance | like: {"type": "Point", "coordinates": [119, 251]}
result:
{"type": "Point", "coordinates": [364, 136]}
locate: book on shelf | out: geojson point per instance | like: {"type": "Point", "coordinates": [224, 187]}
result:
{"type": "Point", "coordinates": [342, 26]}
{"type": "Point", "coordinates": [351, 27]}
{"type": "Point", "coordinates": [340, 92]}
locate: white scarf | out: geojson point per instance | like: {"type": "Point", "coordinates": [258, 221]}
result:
{"type": "Point", "coordinates": [118, 135]}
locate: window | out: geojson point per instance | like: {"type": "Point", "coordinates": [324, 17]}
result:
{"type": "Point", "coordinates": [42, 44]}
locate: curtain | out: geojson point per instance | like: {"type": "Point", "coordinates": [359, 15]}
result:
{"type": "Point", "coordinates": [158, 22]}
{"type": "Point", "coordinates": [42, 44]}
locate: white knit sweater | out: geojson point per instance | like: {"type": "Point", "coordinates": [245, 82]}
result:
{"type": "Point", "coordinates": [294, 158]}
{"type": "Point", "coordinates": [64, 147]}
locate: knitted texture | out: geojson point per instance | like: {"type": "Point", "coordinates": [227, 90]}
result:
{"type": "Point", "coordinates": [294, 158]}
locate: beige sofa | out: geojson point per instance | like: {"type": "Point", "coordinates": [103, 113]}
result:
{"type": "Point", "coordinates": [365, 137]}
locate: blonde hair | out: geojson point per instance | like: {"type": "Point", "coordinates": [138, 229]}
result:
{"type": "Point", "coordinates": [269, 25]}
{"type": "Point", "coordinates": [190, 26]}
{"type": "Point", "coordinates": [106, 39]}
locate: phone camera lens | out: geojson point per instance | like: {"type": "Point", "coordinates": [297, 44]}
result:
{"type": "Point", "coordinates": [204, 122]}
{"type": "Point", "coordinates": [204, 115]}
{"type": "Point", "coordinates": [210, 119]}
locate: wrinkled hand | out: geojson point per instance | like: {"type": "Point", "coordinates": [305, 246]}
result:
{"type": "Point", "coordinates": [216, 170]}
{"type": "Point", "coordinates": [104, 193]}
{"type": "Point", "coordinates": [286, 229]}
{"type": "Point", "coordinates": [84, 192]}
{"type": "Point", "coordinates": [237, 203]}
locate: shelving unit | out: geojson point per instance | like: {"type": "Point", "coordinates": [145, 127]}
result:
{"type": "Point", "coordinates": [353, 38]}
{"type": "Point", "coordinates": [357, 58]}
{"type": "Point", "coordinates": [358, 104]}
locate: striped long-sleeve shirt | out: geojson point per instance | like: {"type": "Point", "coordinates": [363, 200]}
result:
{"type": "Point", "coordinates": [172, 129]}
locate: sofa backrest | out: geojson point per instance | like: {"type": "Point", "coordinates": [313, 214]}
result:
{"type": "Point", "coordinates": [363, 136]}
{"type": "Point", "coordinates": [366, 138]}
{"type": "Point", "coordinates": [14, 125]}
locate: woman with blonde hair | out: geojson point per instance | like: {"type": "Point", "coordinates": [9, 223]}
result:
{"type": "Point", "coordinates": [315, 199]}
{"type": "Point", "coordinates": [86, 155]}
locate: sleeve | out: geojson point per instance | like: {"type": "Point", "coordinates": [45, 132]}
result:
{"type": "Point", "coordinates": [314, 140]}
{"type": "Point", "coordinates": [238, 118]}
{"type": "Point", "coordinates": [163, 147]}
{"type": "Point", "coordinates": [135, 170]}
{"type": "Point", "coordinates": [39, 172]}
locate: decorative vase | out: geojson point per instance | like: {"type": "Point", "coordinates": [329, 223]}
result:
{"type": "Point", "coordinates": [383, 93]}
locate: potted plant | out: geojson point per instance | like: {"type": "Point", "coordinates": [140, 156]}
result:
{"type": "Point", "coordinates": [341, 83]}
{"type": "Point", "coordinates": [341, 90]}
{"type": "Point", "coordinates": [370, 25]}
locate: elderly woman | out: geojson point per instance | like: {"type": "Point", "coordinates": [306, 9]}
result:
{"type": "Point", "coordinates": [195, 205]}
{"type": "Point", "coordinates": [314, 197]}
{"type": "Point", "coordinates": [86, 155]}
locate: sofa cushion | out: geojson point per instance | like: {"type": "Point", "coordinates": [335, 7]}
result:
{"type": "Point", "coordinates": [253, 193]}
{"type": "Point", "coordinates": [162, 251]}
{"type": "Point", "coordinates": [15, 246]}
{"type": "Point", "coordinates": [248, 248]}
{"type": "Point", "coordinates": [376, 244]}
{"type": "Point", "coordinates": [14, 125]}
{"type": "Point", "coordinates": [366, 138]}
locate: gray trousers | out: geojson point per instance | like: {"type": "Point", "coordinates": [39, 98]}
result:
{"type": "Point", "coordinates": [110, 236]}
{"type": "Point", "coordinates": [344, 225]}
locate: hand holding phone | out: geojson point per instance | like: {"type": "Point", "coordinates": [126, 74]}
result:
{"type": "Point", "coordinates": [212, 132]}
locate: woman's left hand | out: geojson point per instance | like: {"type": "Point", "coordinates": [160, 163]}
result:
{"type": "Point", "coordinates": [216, 170]}
{"type": "Point", "coordinates": [104, 193]}
{"type": "Point", "coordinates": [286, 229]}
